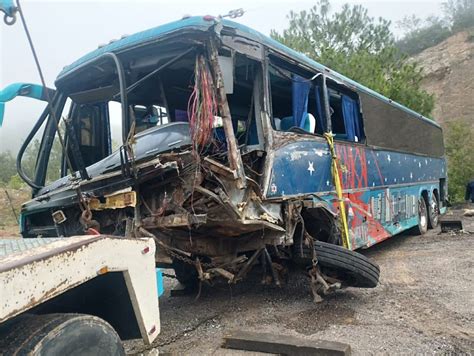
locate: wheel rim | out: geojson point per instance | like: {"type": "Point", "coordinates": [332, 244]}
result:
{"type": "Point", "coordinates": [434, 211]}
{"type": "Point", "coordinates": [422, 214]}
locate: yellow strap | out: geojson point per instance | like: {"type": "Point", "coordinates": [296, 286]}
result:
{"type": "Point", "coordinates": [337, 183]}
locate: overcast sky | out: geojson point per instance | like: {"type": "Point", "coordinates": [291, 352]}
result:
{"type": "Point", "coordinates": [65, 30]}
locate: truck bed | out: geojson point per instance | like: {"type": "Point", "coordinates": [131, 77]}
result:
{"type": "Point", "coordinates": [35, 271]}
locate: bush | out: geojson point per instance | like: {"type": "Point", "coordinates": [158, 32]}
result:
{"type": "Point", "coordinates": [419, 34]}
{"type": "Point", "coordinates": [16, 182]}
{"type": "Point", "coordinates": [459, 142]}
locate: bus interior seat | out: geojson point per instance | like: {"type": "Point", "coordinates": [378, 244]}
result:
{"type": "Point", "coordinates": [309, 124]}
{"type": "Point", "coordinates": [145, 117]}
{"type": "Point", "coordinates": [287, 123]}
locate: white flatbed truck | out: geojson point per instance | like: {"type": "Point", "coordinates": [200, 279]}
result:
{"type": "Point", "coordinates": [77, 296]}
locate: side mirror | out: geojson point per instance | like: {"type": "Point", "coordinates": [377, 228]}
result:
{"type": "Point", "coordinates": [22, 89]}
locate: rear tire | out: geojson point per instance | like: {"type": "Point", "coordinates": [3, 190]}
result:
{"type": "Point", "coordinates": [433, 212]}
{"type": "Point", "coordinates": [422, 217]}
{"type": "Point", "coordinates": [60, 334]}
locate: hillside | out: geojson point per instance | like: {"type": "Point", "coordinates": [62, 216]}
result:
{"type": "Point", "coordinates": [449, 75]}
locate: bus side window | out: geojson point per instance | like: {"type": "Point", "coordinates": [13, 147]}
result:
{"type": "Point", "coordinates": [346, 118]}
{"type": "Point", "coordinates": [295, 101]}
{"type": "Point", "coordinates": [281, 99]}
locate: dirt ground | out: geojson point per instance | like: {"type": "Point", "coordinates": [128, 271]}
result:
{"type": "Point", "coordinates": [424, 304]}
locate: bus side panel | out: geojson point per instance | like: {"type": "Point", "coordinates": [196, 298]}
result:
{"type": "Point", "coordinates": [378, 214]}
{"type": "Point", "coordinates": [381, 187]}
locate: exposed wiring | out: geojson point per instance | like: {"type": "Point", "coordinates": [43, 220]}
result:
{"type": "Point", "coordinates": [202, 106]}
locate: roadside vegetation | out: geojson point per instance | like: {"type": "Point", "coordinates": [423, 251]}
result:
{"type": "Point", "coordinates": [421, 34]}
{"type": "Point", "coordinates": [459, 142]}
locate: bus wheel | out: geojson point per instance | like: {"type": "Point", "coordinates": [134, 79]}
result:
{"type": "Point", "coordinates": [61, 334]}
{"type": "Point", "coordinates": [433, 213]}
{"type": "Point", "coordinates": [351, 268]}
{"type": "Point", "coordinates": [186, 274]}
{"type": "Point", "coordinates": [422, 216]}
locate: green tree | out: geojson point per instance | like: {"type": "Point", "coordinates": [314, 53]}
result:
{"type": "Point", "coordinates": [420, 35]}
{"type": "Point", "coordinates": [28, 162]}
{"type": "Point", "coordinates": [460, 13]}
{"type": "Point", "coordinates": [459, 141]}
{"type": "Point", "coordinates": [8, 167]}
{"type": "Point", "coordinates": [360, 47]}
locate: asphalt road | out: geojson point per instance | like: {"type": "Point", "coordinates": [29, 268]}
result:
{"type": "Point", "coordinates": [424, 304]}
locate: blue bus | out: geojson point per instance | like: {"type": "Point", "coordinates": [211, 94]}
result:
{"type": "Point", "coordinates": [232, 151]}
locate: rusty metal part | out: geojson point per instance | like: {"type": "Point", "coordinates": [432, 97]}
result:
{"type": "Point", "coordinates": [319, 285]}
{"type": "Point", "coordinates": [276, 279]}
{"type": "Point", "coordinates": [58, 217]}
{"type": "Point", "coordinates": [248, 265]}
{"type": "Point", "coordinates": [235, 159]}
{"type": "Point", "coordinates": [222, 272]}
{"type": "Point", "coordinates": [219, 168]}
{"type": "Point", "coordinates": [263, 262]}
{"type": "Point", "coordinates": [174, 220]}
{"type": "Point", "coordinates": [221, 198]}
{"type": "Point", "coordinates": [86, 220]}
{"type": "Point", "coordinates": [117, 200]}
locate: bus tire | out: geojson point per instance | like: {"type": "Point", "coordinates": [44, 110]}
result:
{"type": "Point", "coordinates": [186, 274]}
{"type": "Point", "coordinates": [422, 217]}
{"type": "Point", "coordinates": [61, 334]}
{"type": "Point", "coordinates": [433, 212]}
{"type": "Point", "coordinates": [350, 267]}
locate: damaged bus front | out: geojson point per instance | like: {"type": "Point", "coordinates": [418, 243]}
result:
{"type": "Point", "coordinates": [233, 151]}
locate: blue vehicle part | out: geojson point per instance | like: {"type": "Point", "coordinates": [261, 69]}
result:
{"type": "Point", "coordinates": [159, 282]}
{"type": "Point", "coordinates": [21, 222]}
{"type": "Point", "coordinates": [34, 91]}
{"type": "Point", "coordinates": [9, 9]}
{"type": "Point", "coordinates": [381, 187]}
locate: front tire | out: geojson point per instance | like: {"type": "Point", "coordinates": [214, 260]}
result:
{"type": "Point", "coordinates": [351, 268]}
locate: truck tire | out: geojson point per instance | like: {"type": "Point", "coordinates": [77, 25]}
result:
{"type": "Point", "coordinates": [351, 268]}
{"type": "Point", "coordinates": [422, 217]}
{"type": "Point", "coordinates": [60, 334]}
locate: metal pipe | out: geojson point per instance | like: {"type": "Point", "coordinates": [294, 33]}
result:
{"type": "Point", "coordinates": [123, 93]}
{"type": "Point", "coordinates": [327, 113]}
{"type": "Point", "coordinates": [274, 273]}
{"type": "Point", "coordinates": [233, 153]}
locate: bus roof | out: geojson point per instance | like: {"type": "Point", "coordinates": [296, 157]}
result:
{"type": "Point", "coordinates": [199, 23]}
